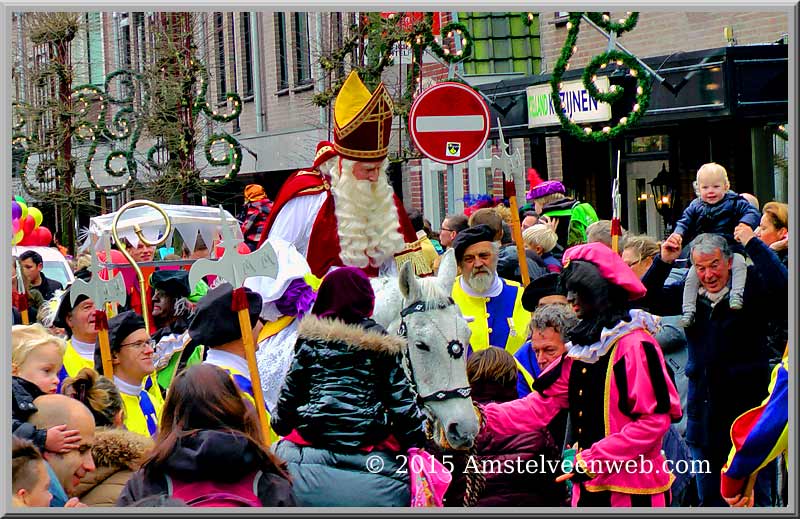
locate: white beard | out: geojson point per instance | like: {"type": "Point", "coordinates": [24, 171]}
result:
{"type": "Point", "coordinates": [366, 216]}
{"type": "Point", "coordinates": [482, 283]}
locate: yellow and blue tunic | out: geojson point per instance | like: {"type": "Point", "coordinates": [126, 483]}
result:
{"type": "Point", "coordinates": [237, 368]}
{"type": "Point", "coordinates": [499, 321]}
{"type": "Point", "coordinates": [760, 435]}
{"type": "Point", "coordinates": [142, 404]}
{"type": "Point", "coordinates": [77, 355]}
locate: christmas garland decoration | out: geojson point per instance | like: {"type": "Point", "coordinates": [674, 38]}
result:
{"type": "Point", "coordinates": [117, 131]}
{"type": "Point", "coordinates": [232, 158]}
{"type": "Point", "coordinates": [598, 63]}
{"type": "Point", "coordinates": [202, 105]}
{"type": "Point", "coordinates": [385, 32]}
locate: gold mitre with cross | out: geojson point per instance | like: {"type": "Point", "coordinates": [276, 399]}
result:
{"type": "Point", "coordinates": [362, 121]}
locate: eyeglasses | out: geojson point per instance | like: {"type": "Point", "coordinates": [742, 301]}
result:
{"type": "Point", "coordinates": [138, 345]}
{"type": "Point", "coordinates": [448, 230]}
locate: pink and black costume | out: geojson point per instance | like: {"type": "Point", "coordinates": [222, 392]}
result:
{"type": "Point", "coordinates": [614, 383]}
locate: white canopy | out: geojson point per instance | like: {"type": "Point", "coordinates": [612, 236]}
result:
{"type": "Point", "coordinates": [187, 221]}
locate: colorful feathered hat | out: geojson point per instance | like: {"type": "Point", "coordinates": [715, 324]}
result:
{"type": "Point", "coordinates": [362, 121]}
{"type": "Point", "coordinates": [540, 188]}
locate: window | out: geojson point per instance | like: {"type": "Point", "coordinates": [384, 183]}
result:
{"type": "Point", "coordinates": [124, 43]}
{"type": "Point", "coordinates": [247, 58]}
{"type": "Point", "coordinates": [302, 56]}
{"type": "Point", "coordinates": [503, 43]}
{"type": "Point", "coordinates": [280, 49]}
{"type": "Point", "coordinates": [219, 38]}
{"type": "Point", "coordinates": [94, 49]}
{"type": "Point", "coordinates": [232, 44]}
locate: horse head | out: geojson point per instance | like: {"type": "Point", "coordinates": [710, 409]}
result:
{"type": "Point", "coordinates": [436, 364]}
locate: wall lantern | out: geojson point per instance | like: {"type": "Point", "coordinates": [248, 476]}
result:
{"type": "Point", "coordinates": [663, 189]}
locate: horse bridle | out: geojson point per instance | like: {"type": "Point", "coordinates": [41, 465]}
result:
{"type": "Point", "coordinates": [454, 348]}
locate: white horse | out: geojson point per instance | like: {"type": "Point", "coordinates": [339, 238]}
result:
{"type": "Point", "coordinates": [422, 310]}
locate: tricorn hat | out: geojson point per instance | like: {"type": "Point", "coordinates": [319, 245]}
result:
{"type": "Point", "coordinates": [362, 121]}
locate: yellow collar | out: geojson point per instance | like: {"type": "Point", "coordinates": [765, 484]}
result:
{"type": "Point", "coordinates": [273, 327]}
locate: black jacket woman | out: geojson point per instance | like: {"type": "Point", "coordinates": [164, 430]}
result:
{"type": "Point", "coordinates": [346, 408]}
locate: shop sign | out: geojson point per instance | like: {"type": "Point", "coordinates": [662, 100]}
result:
{"type": "Point", "coordinates": [575, 99]}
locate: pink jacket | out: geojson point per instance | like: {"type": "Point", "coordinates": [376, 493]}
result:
{"type": "Point", "coordinates": [626, 438]}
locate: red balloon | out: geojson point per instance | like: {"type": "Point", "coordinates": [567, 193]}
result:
{"type": "Point", "coordinates": [44, 236]}
{"type": "Point", "coordinates": [28, 225]}
{"type": "Point", "coordinates": [27, 240]}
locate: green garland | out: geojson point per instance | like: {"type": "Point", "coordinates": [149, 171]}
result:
{"type": "Point", "coordinates": [643, 87]}
{"type": "Point", "coordinates": [233, 157]}
{"type": "Point", "coordinates": [202, 105]}
{"type": "Point", "coordinates": [418, 38]}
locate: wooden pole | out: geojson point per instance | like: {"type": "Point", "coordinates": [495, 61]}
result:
{"type": "Point", "coordinates": [250, 352]}
{"type": "Point", "coordinates": [516, 229]}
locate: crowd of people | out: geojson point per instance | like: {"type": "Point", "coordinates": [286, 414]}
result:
{"type": "Point", "coordinates": [646, 351]}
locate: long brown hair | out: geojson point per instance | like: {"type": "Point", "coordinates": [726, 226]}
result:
{"type": "Point", "coordinates": [204, 397]}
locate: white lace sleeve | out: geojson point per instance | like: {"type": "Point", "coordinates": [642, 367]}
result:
{"type": "Point", "coordinates": [274, 358]}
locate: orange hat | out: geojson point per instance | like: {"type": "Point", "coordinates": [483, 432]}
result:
{"type": "Point", "coordinates": [254, 193]}
{"type": "Point", "coordinates": [362, 121]}
{"type": "Point", "coordinates": [325, 152]}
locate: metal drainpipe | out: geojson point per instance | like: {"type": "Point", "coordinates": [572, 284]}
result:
{"type": "Point", "coordinates": [319, 83]}
{"type": "Point", "coordinates": [255, 45]}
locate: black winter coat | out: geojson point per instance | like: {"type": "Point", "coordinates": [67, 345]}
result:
{"type": "Point", "coordinates": [209, 455]}
{"type": "Point", "coordinates": [728, 360]}
{"type": "Point", "coordinates": [23, 393]}
{"type": "Point", "coordinates": [347, 389]}
{"type": "Point", "coordinates": [720, 218]}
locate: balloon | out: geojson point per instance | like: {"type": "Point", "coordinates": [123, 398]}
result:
{"type": "Point", "coordinates": [24, 207]}
{"type": "Point", "coordinates": [27, 240]}
{"type": "Point", "coordinates": [15, 226]}
{"type": "Point", "coordinates": [16, 210]}
{"type": "Point", "coordinates": [28, 225]}
{"type": "Point", "coordinates": [44, 236]}
{"type": "Point", "coordinates": [37, 216]}
{"type": "Point", "coordinates": [17, 237]}
{"type": "Point", "coordinates": [20, 200]}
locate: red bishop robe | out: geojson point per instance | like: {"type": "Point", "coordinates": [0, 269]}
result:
{"type": "Point", "coordinates": [323, 245]}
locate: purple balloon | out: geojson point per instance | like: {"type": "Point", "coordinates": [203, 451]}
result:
{"type": "Point", "coordinates": [16, 210]}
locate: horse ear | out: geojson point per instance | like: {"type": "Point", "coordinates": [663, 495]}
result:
{"type": "Point", "coordinates": [409, 286]}
{"type": "Point", "coordinates": [448, 270]}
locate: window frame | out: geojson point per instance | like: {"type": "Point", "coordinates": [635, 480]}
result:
{"type": "Point", "coordinates": [219, 43]}
{"type": "Point", "coordinates": [282, 65]}
{"type": "Point", "coordinates": [302, 49]}
{"type": "Point", "coordinates": [248, 88]}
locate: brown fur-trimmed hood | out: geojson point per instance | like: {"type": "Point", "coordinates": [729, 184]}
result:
{"type": "Point", "coordinates": [312, 328]}
{"type": "Point", "coordinates": [120, 448]}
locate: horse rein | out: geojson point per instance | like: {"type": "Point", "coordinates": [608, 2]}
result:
{"type": "Point", "coordinates": [454, 348]}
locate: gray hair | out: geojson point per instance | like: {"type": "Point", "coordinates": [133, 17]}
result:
{"type": "Point", "coordinates": [561, 318]}
{"type": "Point", "coordinates": [708, 243]}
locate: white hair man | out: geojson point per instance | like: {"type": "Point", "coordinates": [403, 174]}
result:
{"type": "Point", "coordinates": [343, 212]}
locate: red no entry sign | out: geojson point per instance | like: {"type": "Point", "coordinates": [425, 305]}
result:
{"type": "Point", "coordinates": [449, 123]}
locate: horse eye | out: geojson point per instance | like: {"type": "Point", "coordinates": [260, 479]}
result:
{"type": "Point", "coordinates": [422, 346]}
